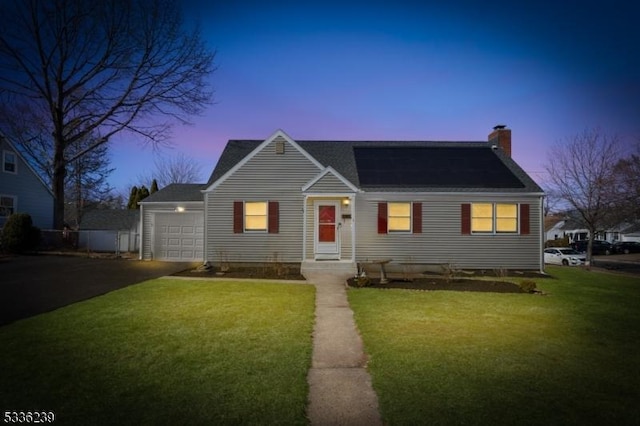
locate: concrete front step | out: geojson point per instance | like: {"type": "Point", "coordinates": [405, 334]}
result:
{"type": "Point", "coordinates": [338, 270]}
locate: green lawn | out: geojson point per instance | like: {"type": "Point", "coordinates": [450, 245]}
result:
{"type": "Point", "coordinates": [571, 357]}
{"type": "Point", "coordinates": [166, 352]}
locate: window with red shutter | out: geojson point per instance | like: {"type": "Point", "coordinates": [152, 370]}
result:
{"type": "Point", "coordinates": [382, 218]}
{"type": "Point", "coordinates": [274, 217]}
{"type": "Point", "coordinates": [465, 214]}
{"type": "Point", "coordinates": [238, 217]}
{"type": "Point", "coordinates": [417, 218]}
{"type": "Point", "coordinates": [524, 219]}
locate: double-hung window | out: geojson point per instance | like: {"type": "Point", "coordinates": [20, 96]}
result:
{"type": "Point", "coordinates": [7, 206]}
{"type": "Point", "coordinates": [255, 216]}
{"type": "Point", "coordinates": [507, 218]}
{"type": "Point", "coordinates": [400, 217]}
{"type": "Point", "coordinates": [493, 218]}
{"type": "Point", "coordinates": [9, 162]}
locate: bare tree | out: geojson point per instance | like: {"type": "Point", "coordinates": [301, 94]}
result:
{"type": "Point", "coordinates": [88, 67]}
{"type": "Point", "coordinates": [581, 172]}
{"type": "Point", "coordinates": [177, 169]}
{"type": "Point", "coordinates": [627, 172]}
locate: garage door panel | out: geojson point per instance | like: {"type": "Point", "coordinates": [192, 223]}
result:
{"type": "Point", "coordinates": [180, 236]}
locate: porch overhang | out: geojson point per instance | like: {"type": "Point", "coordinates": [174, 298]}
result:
{"type": "Point", "coordinates": [345, 199]}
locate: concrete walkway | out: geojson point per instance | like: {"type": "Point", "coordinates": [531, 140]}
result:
{"type": "Point", "coordinates": [340, 391]}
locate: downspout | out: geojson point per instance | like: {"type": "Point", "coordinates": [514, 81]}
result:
{"type": "Point", "coordinates": [353, 228]}
{"type": "Point", "coordinates": [205, 248]}
{"type": "Point", "coordinates": [541, 251]}
{"type": "Point", "coordinates": [304, 228]}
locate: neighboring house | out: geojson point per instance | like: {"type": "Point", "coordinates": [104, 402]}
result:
{"type": "Point", "coordinates": [631, 233]}
{"type": "Point", "coordinates": [109, 230]}
{"type": "Point", "coordinates": [554, 227]}
{"type": "Point", "coordinates": [333, 204]}
{"type": "Point", "coordinates": [22, 190]}
{"type": "Point", "coordinates": [569, 225]}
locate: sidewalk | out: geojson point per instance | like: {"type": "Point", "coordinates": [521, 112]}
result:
{"type": "Point", "coordinates": [340, 390]}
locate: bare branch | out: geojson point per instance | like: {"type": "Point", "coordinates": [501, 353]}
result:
{"type": "Point", "coordinates": [581, 172]}
{"type": "Point", "coordinates": [101, 68]}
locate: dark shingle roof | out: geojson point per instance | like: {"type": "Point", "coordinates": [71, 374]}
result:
{"type": "Point", "coordinates": [405, 165]}
{"type": "Point", "coordinates": [177, 192]}
{"type": "Point", "coordinates": [112, 220]}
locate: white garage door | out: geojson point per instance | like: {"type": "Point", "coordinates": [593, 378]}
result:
{"type": "Point", "coordinates": [179, 236]}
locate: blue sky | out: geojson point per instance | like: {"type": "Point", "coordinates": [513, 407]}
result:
{"type": "Point", "coordinates": [396, 70]}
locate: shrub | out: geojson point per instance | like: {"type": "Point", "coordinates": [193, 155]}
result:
{"type": "Point", "coordinates": [19, 234]}
{"type": "Point", "coordinates": [528, 286]}
{"type": "Point", "coordinates": [560, 242]}
{"type": "Point", "coordinates": [362, 281]}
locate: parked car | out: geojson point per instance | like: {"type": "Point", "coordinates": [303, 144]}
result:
{"type": "Point", "coordinates": [625, 247]}
{"type": "Point", "coordinates": [563, 256]}
{"type": "Point", "coordinates": [599, 247]}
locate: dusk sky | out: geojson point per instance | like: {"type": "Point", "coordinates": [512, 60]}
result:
{"type": "Point", "coordinates": [395, 70]}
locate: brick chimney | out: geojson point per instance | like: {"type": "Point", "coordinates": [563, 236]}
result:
{"type": "Point", "coordinates": [501, 137]}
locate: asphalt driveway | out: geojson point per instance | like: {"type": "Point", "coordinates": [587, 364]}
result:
{"type": "Point", "coordinates": [30, 285]}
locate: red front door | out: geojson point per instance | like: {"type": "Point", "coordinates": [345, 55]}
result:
{"type": "Point", "coordinates": [327, 229]}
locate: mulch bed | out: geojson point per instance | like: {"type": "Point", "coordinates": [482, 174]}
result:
{"type": "Point", "coordinates": [422, 283]}
{"type": "Point", "coordinates": [436, 283]}
{"type": "Point", "coordinates": [267, 273]}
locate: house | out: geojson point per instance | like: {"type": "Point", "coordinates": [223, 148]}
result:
{"type": "Point", "coordinates": [22, 190]}
{"type": "Point", "coordinates": [553, 225]}
{"type": "Point", "coordinates": [569, 225]}
{"type": "Point", "coordinates": [109, 230]}
{"type": "Point", "coordinates": [333, 204]}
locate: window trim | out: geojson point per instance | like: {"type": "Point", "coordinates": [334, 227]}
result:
{"type": "Point", "coordinates": [239, 217]}
{"type": "Point", "coordinates": [519, 210]}
{"type": "Point", "coordinates": [517, 218]}
{"type": "Point", "coordinates": [266, 218]}
{"type": "Point", "coordinates": [410, 217]}
{"type": "Point", "coordinates": [415, 217]}
{"type": "Point", "coordinates": [15, 162]}
{"type": "Point", "coordinates": [15, 204]}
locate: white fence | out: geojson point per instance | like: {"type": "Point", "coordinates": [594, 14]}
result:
{"type": "Point", "coordinates": [108, 241]}
{"type": "Point", "coordinates": [99, 241]}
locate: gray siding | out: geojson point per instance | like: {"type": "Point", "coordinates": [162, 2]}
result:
{"type": "Point", "coordinates": [267, 176]}
{"type": "Point", "coordinates": [329, 183]}
{"type": "Point", "coordinates": [441, 241]}
{"type": "Point", "coordinates": [32, 195]}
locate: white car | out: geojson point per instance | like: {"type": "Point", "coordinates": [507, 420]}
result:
{"type": "Point", "coordinates": [563, 256]}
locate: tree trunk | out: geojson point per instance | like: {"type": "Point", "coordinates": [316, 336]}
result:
{"type": "Point", "coordinates": [592, 234]}
{"type": "Point", "coordinates": [59, 170]}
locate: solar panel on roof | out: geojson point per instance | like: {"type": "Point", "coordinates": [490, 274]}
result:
{"type": "Point", "coordinates": [445, 167]}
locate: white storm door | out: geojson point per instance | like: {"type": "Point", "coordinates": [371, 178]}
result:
{"type": "Point", "coordinates": [327, 235]}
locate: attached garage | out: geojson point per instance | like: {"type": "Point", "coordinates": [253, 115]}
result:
{"type": "Point", "coordinates": [179, 237]}
{"type": "Point", "coordinates": [172, 222]}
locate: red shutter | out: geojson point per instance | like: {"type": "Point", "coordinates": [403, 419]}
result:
{"type": "Point", "coordinates": [465, 226]}
{"type": "Point", "coordinates": [524, 219]}
{"type": "Point", "coordinates": [274, 217]}
{"type": "Point", "coordinates": [382, 218]}
{"type": "Point", "coordinates": [417, 218]}
{"type": "Point", "coordinates": [238, 217]}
